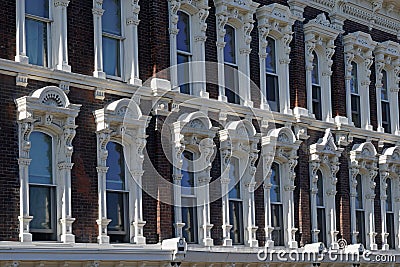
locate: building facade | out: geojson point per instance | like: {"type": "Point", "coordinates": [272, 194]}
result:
{"type": "Point", "coordinates": [199, 133]}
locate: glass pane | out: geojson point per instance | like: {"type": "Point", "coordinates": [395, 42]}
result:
{"type": "Point", "coordinates": [315, 71]}
{"type": "Point", "coordinates": [275, 181]}
{"type": "Point", "coordinates": [316, 102]}
{"type": "Point", "coordinates": [183, 38]}
{"type": "Point", "coordinates": [354, 78]}
{"type": "Point", "coordinates": [272, 92]}
{"type": "Point", "coordinates": [355, 110]}
{"type": "Point", "coordinates": [189, 215]}
{"type": "Point", "coordinates": [236, 220]}
{"type": "Point", "coordinates": [384, 91]}
{"type": "Point", "coordinates": [183, 73]}
{"type": "Point", "coordinates": [390, 230]}
{"type": "Point", "coordinates": [232, 84]}
{"type": "Point", "coordinates": [320, 186]}
{"type": "Point", "coordinates": [270, 61]}
{"type": "Point", "coordinates": [41, 153]}
{"type": "Point", "coordinates": [359, 198]}
{"type": "Point", "coordinates": [111, 56]}
{"type": "Point", "coordinates": [116, 211]}
{"type": "Point", "coordinates": [389, 203]}
{"type": "Point", "coordinates": [360, 227]}
{"type": "Point", "coordinates": [111, 20]}
{"type": "Point", "coordinates": [116, 167]}
{"type": "Point", "coordinates": [230, 46]}
{"type": "Point", "coordinates": [321, 225]}
{"type": "Point", "coordinates": [36, 42]}
{"type": "Point", "coordinates": [234, 183]}
{"type": "Point", "coordinates": [38, 8]}
{"type": "Point", "coordinates": [40, 207]}
{"type": "Point", "coordinates": [386, 117]}
{"type": "Point", "coordinates": [187, 181]}
{"type": "Point", "coordinates": [277, 224]}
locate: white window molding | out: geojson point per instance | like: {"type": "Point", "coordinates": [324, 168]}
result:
{"type": "Point", "coordinates": [387, 58]}
{"type": "Point", "coordinates": [239, 140]}
{"type": "Point", "coordinates": [57, 49]}
{"type": "Point", "coordinates": [276, 21]}
{"type": "Point", "coordinates": [388, 164]}
{"type": "Point", "coordinates": [280, 146]}
{"type": "Point", "coordinates": [129, 42]}
{"type": "Point", "coordinates": [358, 48]}
{"type": "Point", "coordinates": [320, 37]}
{"type": "Point", "coordinates": [48, 110]}
{"type": "Point", "coordinates": [130, 131]}
{"type": "Point", "coordinates": [363, 162]}
{"type": "Point", "coordinates": [198, 13]}
{"type": "Point", "coordinates": [324, 156]}
{"type": "Point", "coordinates": [194, 132]}
{"type": "Point", "coordinates": [238, 14]}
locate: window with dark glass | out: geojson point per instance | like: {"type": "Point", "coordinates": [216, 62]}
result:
{"type": "Point", "coordinates": [184, 49]}
{"type": "Point", "coordinates": [321, 219]}
{"type": "Point", "coordinates": [235, 203]}
{"type": "Point", "coordinates": [355, 96]}
{"type": "Point", "coordinates": [42, 188]}
{"type": "Point", "coordinates": [385, 103]}
{"type": "Point", "coordinates": [360, 212]}
{"type": "Point", "coordinates": [316, 89]}
{"type": "Point", "coordinates": [271, 76]}
{"type": "Point", "coordinates": [390, 215]}
{"type": "Point", "coordinates": [37, 24]}
{"type": "Point", "coordinates": [231, 67]}
{"type": "Point", "coordinates": [117, 195]}
{"type": "Point", "coordinates": [189, 210]}
{"type": "Point", "coordinates": [276, 207]}
{"type": "Point", "coordinates": [112, 37]}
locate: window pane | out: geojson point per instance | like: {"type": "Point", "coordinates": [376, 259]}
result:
{"type": "Point", "coordinates": [234, 183]}
{"type": "Point", "coordinates": [389, 204]}
{"type": "Point", "coordinates": [183, 73]}
{"type": "Point", "coordinates": [36, 42]}
{"type": "Point", "coordinates": [41, 153]}
{"type": "Point", "coordinates": [272, 92]}
{"type": "Point", "coordinates": [40, 207]}
{"type": "Point", "coordinates": [355, 110]}
{"type": "Point", "coordinates": [230, 46]}
{"type": "Point", "coordinates": [354, 78]}
{"type": "Point", "coordinates": [111, 56]}
{"type": "Point", "coordinates": [386, 117]}
{"type": "Point", "coordinates": [111, 20]}
{"type": "Point", "coordinates": [270, 61]}
{"type": "Point", "coordinates": [316, 102]}
{"type": "Point", "coordinates": [187, 181]}
{"type": "Point", "coordinates": [116, 211]}
{"type": "Point", "coordinates": [232, 85]}
{"type": "Point", "coordinates": [116, 167]}
{"type": "Point", "coordinates": [275, 181]}
{"type": "Point", "coordinates": [360, 227]}
{"type": "Point", "coordinates": [277, 224]}
{"type": "Point", "coordinates": [390, 230]}
{"type": "Point", "coordinates": [38, 8]}
{"type": "Point", "coordinates": [359, 198]}
{"type": "Point", "coordinates": [321, 219]}
{"type": "Point", "coordinates": [236, 220]}
{"type": "Point", "coordinates": [183, 38]}
{"type": "Point", "coordinates": [320, 186]}
{"type": "Point", "coordinates": [189, 215]}
{"type": "Point", "coordinates": [384, 90]}
{"type": "Point", "coordinates": [315, 71]}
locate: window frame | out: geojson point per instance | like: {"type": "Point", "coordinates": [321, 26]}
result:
{"type": "Point", "coordinates": [322, 234]}
{"type": "Point", "coordinates": [317, 87]}
{"type": "Point", "coordinates": [361, 236]}
{"type": "Point", "coordinates": [189, 55]}
{"type": "Point", "coordinates": [391, 239]}
{"type": "Point", "coordinates": [273, 75]}
{"type": "Point", "coordinates": [355, 94]}
{"type": "Point", "coordinates": [385, 103]}
{"type": "Point", "coordinates": [234, 66]}
{"type": "Point", "coordinates": [281, 229]}
{"type": "Point", "coordinates": [239, 202]}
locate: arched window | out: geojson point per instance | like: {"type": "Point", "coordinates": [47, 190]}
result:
{"type": "Point", "coordinates": [316, 89]}
{"type": "Point", "coordinates": [276, 207]}
{"type": "Point", "coordinates": [38, 28]}
{"type": "Point", "coordinates": [189, 210]}
{"type": "Point", "coordinates": [235, 203]}
{"type": "Point", "coordinates": [271, 74]}
{"type": "Point", "coordinates": [321, 216]}
{"type": "Point", "coordinates": [386, 124]}
{"type": "Point", "coordinates": [231, 66]}
{"type": "Point", "coordinates": [390, 215]}
{"type": "Point", "coordinates": [117, 195]}
{"type": "Point", "coordinates": [355, 96]}
{"type": "Point", "coordinates": [112, 37]}
{"type": "Point", "coordinates": [42, 188]}
{"type": "Point", "coordinates": [360, 212]}
{"type": "Point", "coordinates": [184, 52]}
